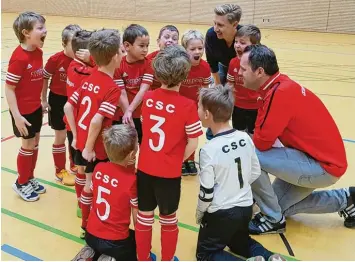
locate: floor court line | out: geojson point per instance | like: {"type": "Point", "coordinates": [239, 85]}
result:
{"type": "Point", "coordinates": [182, 225]}
{"type": "Point", "coordinates": [18, 253]}
{"type": "Point", "coordinates": [13, 136]}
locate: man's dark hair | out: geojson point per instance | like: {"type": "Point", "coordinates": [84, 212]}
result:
{"type": "Point", "coordinates": [262, 56]}
{"type": "Point", "coordinates": [132, 32]}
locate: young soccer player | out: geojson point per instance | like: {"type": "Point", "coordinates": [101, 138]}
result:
{"type": "Point", "coordinates": [56, 70]}
{"type": "Point", "coordinates": [199, 77]}
{"type": "Point", "coordinates": [169, 120]}
{"type": "Point", "coordinates": [168, 35]}
{"type": "Point", "coordinates": [95, 102]}
{"type": "Point", "coordinates": [78, 71]}
{"type": "Point", "coordinates": [24, 82]}
{"type": "Point", "coordinates": [247, 101]}
{"type": "Point", "coordinates": [114, 192]}
{"type": "Point", "coordinates": [134, 76]}
{"type": "Point", "coordinates": [228, 164]}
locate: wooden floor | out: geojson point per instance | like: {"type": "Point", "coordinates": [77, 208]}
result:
{"type": "Point", "coordinates": [48, 229]}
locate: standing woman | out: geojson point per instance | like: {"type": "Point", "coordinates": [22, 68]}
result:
{"type": "Point", "coordinates": [220, 40]}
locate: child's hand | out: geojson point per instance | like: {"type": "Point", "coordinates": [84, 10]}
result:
{"type": "Point", "coordinates": [83, 55]}
{"type": "Point", "coordinates": [21, 124]}
{"type": "Point", "coordinates": [199, 216]}
{"type": "Point", "coordinates": [89, 155]}
{"type": "Point", "coordinates": [127, 118]}
{"type": "Point", "coordinates": [45, 106]}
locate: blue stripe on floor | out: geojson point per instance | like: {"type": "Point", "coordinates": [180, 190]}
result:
{"type": "Point", "coordinates": [349, 140]}
{"type": "Point", "coordinates": [18, 253]}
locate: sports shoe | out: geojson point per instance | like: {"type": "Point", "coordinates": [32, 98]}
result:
{"type": "Point", "coordinates": [259, 225]}
{"type": "Point", "coordinates": [175, 258]}
{"type": "Point", "coordinates": [153, 256]}
{"type": "Point", "coordinates": [37, 187]}
{"type": "Point", "coordinates": [65, 178]}
{"type": "Point", "coordinates": [276, 257]}
{"type": "Point", "coordinates": [191, 168]}
{"type": "Point", "coordinates": [25, 191]}
{"type": "Point", "coordinates": [78, 211]}
{"type": "Point", "coordinates": [85, 254]}
{"type": "Point", "coordinates": [184, 171]}
{"type": "Point", "coordinates": [104, 257]}
{"type": "Point", "coordinates": [349, 212]}
{"type": "Point", "coordinates": [73, 170]}
{"type": "Point", "coordinates": [257, 258]}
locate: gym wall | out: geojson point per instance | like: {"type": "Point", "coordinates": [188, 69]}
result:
{"type": "Point", "coordinates": [336, 16]}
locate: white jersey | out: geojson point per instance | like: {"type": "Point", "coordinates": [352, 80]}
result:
{"type": "Point", "coordinates": [228, 165]}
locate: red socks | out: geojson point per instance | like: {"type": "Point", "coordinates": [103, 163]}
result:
{"type": "Point", "coordinates": [59, 157]}
{"type": "Point", "coordinates": [34, 161]}
{"type": "Point", "coordinates": [85, 201]}
{"type": "Point", "coordinates": [144, 236]}
{"type": "Point", "coordinates": [79, 185]}
{"type": "Point", "coordinates": [169, 236]}
{"type": "Point", "coordinates": [25, 165]}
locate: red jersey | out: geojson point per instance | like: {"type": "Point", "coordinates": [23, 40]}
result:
{"type": "Point", "coordinates": [244, 98]}
{"type": "Point", "coordinates": [168, 120]}
{"type": "Point", "coordinates": [114, 193]}
{"type": "Point", "coordinates": [76, 73]}
{"type": "Point", "coordinates": [130, 76]}
{"type": "Point", "coordinates": [25, 72]}
{"type": "Point", "coordinates": [199, 77]}
{"type": "Point", "coordinates": [97, 94]}
{"type": "Point", "coordinates": [56, 68]}
{"type": "Point", "coordinates": [156, 83]}
{"type": "Point", "coordinates": [299, 119]}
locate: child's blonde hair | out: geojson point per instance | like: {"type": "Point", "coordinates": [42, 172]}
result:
{"type": "Point", "coordinates": [251, 31]}
{"type": "Point", "coordinates": [103, 45]}
{"type": "Point", "coordinates": [191, 35]}
{"type": "Point", "coordinates": [219, 101]}
{"type": "Point", "coordinates": [119, 142]}
{"type": "Point", "coordinates": [26, 21]}
{"type": "Point", "coordinates": [68, 33]}
{"type": "Point", "coordinates": [172, 65]}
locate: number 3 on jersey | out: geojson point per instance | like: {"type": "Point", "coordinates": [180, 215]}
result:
{"type": "Point", "coordinates": [86, 100]}
{"type": "Point", "coordinates": [156, 129]}
{"type": "Point", "coordinates": [100, 199]}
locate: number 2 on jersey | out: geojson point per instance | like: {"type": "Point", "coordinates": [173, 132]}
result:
{"type": "Point", "coordinates": [83, 102]}
{"type": "Point", "coordinates": [156, 129]}
{"type": "Point", "coordinates": [240, 174]}
{"type": "Point", "coordinates": [100, 200]}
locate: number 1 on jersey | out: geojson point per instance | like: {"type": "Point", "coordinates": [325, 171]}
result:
{"type": "Point", "coordinates": [240, 174]}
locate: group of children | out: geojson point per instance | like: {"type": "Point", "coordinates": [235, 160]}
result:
{"type": "Point", "coordinates": [108, 105]}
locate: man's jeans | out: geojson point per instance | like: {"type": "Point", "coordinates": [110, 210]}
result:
{"type": "Point", "coordinates": [297, 176]}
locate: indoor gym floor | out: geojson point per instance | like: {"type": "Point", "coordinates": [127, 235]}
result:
{"type": "Point", "coordinates": [48, 229]}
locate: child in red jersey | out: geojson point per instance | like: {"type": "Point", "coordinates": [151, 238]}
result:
{"type": "Point", "coordinates": [247, 101]}
{"type": "Point", "coordinates": [24, 82]}
{"type": "Point", "coordinates": [199, 77]}
{"type": "Point", "coordinates": [168, 35]}
{"type": "Point", "coordinates": [134, 76]}
{"type": "Point", "coordinates": [76, 73]}
{"type": "Point", "coordinates": [169, 120]}
{"type": "Point", "coordinates": [56, 70]}
{"type": "Point", "coordinates": [114, 199]}
{"type": "Point", "coordinates": [95, 102]}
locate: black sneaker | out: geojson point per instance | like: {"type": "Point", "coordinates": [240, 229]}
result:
{"type": "Point", "coordinates": [259, 225]}
{"type": "Point", "coordinates": [191, 168]}
{"type": "Point", "coordinates": [349, 212]}
{"type": "Point", "coordinates": [184, 171]}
